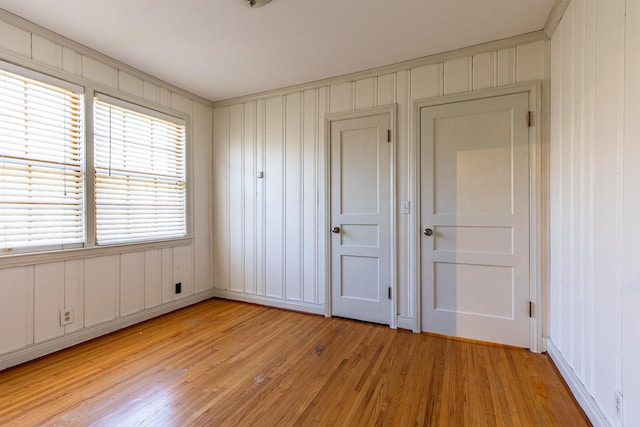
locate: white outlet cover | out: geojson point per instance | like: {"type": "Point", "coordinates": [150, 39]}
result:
{"type": "Point", "coordinates": [66, 316]}
{"type": "Point", "coordinates": [618, 400]}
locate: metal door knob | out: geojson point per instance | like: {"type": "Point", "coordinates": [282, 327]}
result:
{"type": "Point", "coordinates": [428, 232]}
{"type": "Point", "coordinates": [335, 230]}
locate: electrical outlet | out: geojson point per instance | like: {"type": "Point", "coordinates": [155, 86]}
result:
{"type": "Point", "coordinates": [178, 288]}
{"type": "Point", "coordinates": [66, 316]}
{"type": "Point", "coordinates": [618, 399]}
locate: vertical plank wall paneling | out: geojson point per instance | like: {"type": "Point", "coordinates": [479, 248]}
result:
{"type": "Point", "coordinates": [152, 278]}
{"type": "Point", "coordinates": [14, 39]}
{"type": "Point", "coordinates": [183, 270]}
{"type": "Point", "coordinates": [48, 288]}
{"type": "Point", "coordinates": [365, 93]}
{"type": "Point", "coordinates": [74, 293]}
{"type": "Point", "coordinates": [506, 69]}
{"type": "Point", "coordinates": [260, 219]}
{"type": "Point", "coordinates": [484, 70]}
{"type": "Point", "coordinates": [201, 207]}
{"type": "Point", "coordinates": [104, 291]}
{"type": "Point", "coordinates": [46, 51]}
{"type": "Point", "coordinates": [131, 283]}
{"type": "Point", "coordinates": [166, 284]}
{"type": "Point", "coordinates": [236, 180]}
{"type": "Point", "coordinates": [587, 203]}
{"type": "Point", "coordinates": [16, 288]}
{"type": "Point", "coordinates": [404, 292]}
{"type": "Point", "coordinates": [341, 97]}
{"type": "Point", "coordinates": [322, 189]}
{"type": "Point", "coordinates": [274, 179]}
{"type": "Point", "coordinates": [102, 283]}
{"type": "Point", "coordinates": [221, 196]}
{"type": "Point", "coordinates": [287, 234]}
{"type": "Point", "coordinates": [293, 202]}
{"type": "Point", "coordinates": [630, 282]}
{"type": "Point", "coordinates": [386, 90]}
{"type": "Point", "coordinates": [457, 76]}
{"type": "Point", "coordinates": [130, 84]}
{"type": "Point", "coordinates": [250, 183]}
{"type": "Point", "coordinates": [309, 187]}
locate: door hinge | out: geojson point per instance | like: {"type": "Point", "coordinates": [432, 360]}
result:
{"type": "Point", "coordinates": [530, 119]}
{"type": "Point", "coordinates": [389, 292]}
{"type": "Point", "coordinates": [388, 135]}
{"type": "Point", "coordinates": [531, 308]}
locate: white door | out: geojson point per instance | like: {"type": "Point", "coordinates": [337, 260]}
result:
{"type": "Point", "coordinates": [360, 218]}
{"type": "Point", "coordinates": [475, 219]}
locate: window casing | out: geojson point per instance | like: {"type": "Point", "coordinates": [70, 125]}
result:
{"type": "Point", "coordinates": [41, 163]}
{"type": "Point", "coordinates": [62, 188]}
{"type": "Point", "coordinates": [140, 173]}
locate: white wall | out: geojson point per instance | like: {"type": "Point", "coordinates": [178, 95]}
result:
{"type": "Point", "coordinates": [594, 263]}
{"type": "Point", "coordinates": [269, 233]}
{"type": "Point", "coordinates": [630, 275]}
{"type": "Point", "coordinates": [107, 288]}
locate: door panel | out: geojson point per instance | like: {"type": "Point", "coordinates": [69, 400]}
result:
{"type": "Point", "coordinates": [475, 199]}
{"type": "Point", "coordinates": [358, 171]}
{"type": "Point", "coordinates": [358, 273]}
{"type": "Point", "coordinates": [360, 198]}
{"type": "Point", "coordinates": [468, 147]}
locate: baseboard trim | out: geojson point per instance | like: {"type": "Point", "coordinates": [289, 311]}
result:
{"type": "Point", "coordinates": [582, 395]}
{"type": "Point", "coordinates": [304, 307]}
{"type": "Point", "coordinates": [35, 351]}
{"type": "Point", "coordinates": [405, 323]}
{"type": "Point", "coordinates": [544, 344]}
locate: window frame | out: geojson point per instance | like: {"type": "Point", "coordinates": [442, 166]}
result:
{"type": "Point", "coordinates": [150, 112]}
{"type": "Point", "coordinates": [89, 91]}
{"type": "Point", "coordinates": [57, 83]}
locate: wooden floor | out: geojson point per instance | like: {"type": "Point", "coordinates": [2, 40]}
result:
{"type": "Point", "coordinates": [222, 363]}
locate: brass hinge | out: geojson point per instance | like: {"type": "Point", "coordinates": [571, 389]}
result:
{"type": "Point", "coordinates": [530, 308]}
{"type": "Point", "coordinates": [388, 135]}
{"type": "Point", "coordinates": [530, 119]}
{"type": "Point", "coordinates": [389, 292]}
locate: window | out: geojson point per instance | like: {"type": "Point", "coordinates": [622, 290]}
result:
{"type": "Point", "coordinates": [126, 183]}
{"type": "Point", "coordinates": [140, 191]}
{"type": "Point", "coordinates": [41, 163]}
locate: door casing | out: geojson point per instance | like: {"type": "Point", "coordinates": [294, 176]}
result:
{"type": "Point", "coordinates": [538, 214]}
{"type": "Point", "coordinates": [329, 118]}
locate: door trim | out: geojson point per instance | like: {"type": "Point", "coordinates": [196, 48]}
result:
{"type": "Point", "coordinates": [538, 217]}
{"type": "Point", "coordinates": [333, 117]}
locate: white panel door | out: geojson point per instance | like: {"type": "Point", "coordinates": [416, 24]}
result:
{"type": "Point", "coordinates": [475, 219]}
{"type": "Point", "coordinates": [360, 218]}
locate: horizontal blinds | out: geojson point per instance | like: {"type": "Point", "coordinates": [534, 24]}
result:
{"type": "Point", "coordinates": [41, 165]}
{"type": "Point", "coordinates": [140, 191]}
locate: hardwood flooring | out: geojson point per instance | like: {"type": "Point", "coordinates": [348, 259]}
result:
{"type": "Point", "coordinates": [223, 363]}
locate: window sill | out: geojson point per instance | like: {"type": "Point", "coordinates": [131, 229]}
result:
{"type": "Point", "coordinates": [23, 259]}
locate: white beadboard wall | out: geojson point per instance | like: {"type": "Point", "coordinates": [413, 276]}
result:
{"type": "Point", "coordinates": [630, 274]}
{"type": "Point", "coordinates": [117, 287]}
{"type": "Point", "coordinates": [595, 206]}
{"type": "Point", "coordinates": [269, 233]}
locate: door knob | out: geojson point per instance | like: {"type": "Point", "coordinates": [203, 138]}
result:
{"type": "Point", "coordinates": [335, 230]}
{"type": "Point", "coordinates": [428, 232]}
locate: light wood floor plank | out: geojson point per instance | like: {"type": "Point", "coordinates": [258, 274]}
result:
{"type": "Point", "coordinates": [223, 363]}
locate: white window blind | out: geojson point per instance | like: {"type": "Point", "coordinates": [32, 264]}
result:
{"type": "Point", "coordinates": [140, 191]}
{"type": "Point", "coordinates": [41, 165]}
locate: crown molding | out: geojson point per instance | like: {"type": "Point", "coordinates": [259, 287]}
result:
{"type": "Point", "coordinates": [555, 16]}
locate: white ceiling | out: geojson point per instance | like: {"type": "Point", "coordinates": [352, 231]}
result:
{"type": "Point", "coordinates": [220, 49]}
